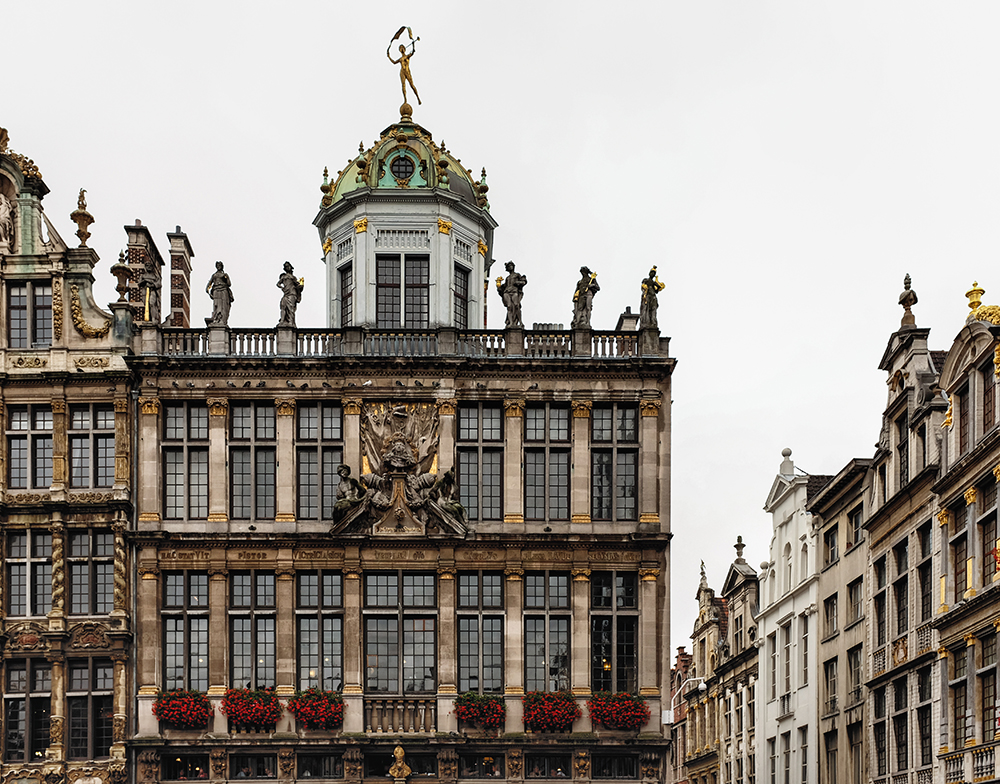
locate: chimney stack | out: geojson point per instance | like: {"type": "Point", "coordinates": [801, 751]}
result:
{"type": "Point", "coordinates": [141, 249]}
{"type": "Point", "coordinates": [180, 279]}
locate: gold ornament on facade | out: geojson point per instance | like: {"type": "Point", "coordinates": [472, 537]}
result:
{"type": "Point", "coordinates": [149, 405]}
{"type": "Point", "coordinates": [57, 308]}
{"type": "Point", "coordinates": [446, 572]}
{"type": "Point", "coordinates": [58, 406]}
{"type": "Point", "coordinates": [327, 245]}
{"type": "Point", "coordinates": [361, 226]}
{"type": "Point", "coordinates": [513, 406]}
{"type": "Point", "coordinates": [944, 516]}
{"type": "Point", "coordinates": [218, 406]}
{"type": "Point", "coordinates": [580, 519]}
{"type": "Point", "coordinates": [284, 406]}
{"type": "Point", "coordinates": [76, 313]}
{"type": "Point", "coordinates": [581, 408]}
{"type": "Point", "coordinates": [649, 574]}
{"type": "Point", "coordinates": [82, 218]}
{"type": "Point", "coordinates": [444, 226]}
{"type": "Point", "coordinates": [970, 496]}
{"type": "Point", "coordinates": [649, 518]}
{"type": "Point", "coordinates": [975, 295]}
{"type": "Point", "coordinates": [286, 762]}
{"type": "Point", "coordinates": [948, 414]}
{"type": "Point", "coordinates": [581, 575]}
{"type": "Point", "coordinates": [121, 405]}
{"type": "Point", "coordinates": [96, 363]}
{"type": "Point", "coordinates": [649, 408]}
{"type": "Point", "coordinates": [25, 164]}
{"type": "Point", "coordinates": [581, 764]}
{"type": "Point", "coordinates": [352, 405]}
{"type": "Point", "coordinates": [987, 313]}
{"type": "Point", "coordinates": [514, 572]}
{"type": "Point", "coordinates": [482, 248]}
{"type": "Point", "coordinates": [447, 407]}
{"type": "Point", "coordinates": [29, 362]}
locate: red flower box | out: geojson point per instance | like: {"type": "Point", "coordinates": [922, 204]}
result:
{"type": "Point", "coordinates": [621, 711]}
{"type": "Point", "coordinates": [252, 709]}
{"type": "Point", "coordinates": [317, 709]}
{"type": "Point", "coordinates": [182, 709]}
{"type": "Point", "coordinates": [549, 711]}
{"type": "Point", "coordinates": [488, 711]}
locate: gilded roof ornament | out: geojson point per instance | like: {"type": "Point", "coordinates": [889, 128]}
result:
{"type": "Point", "coordinates": [979, 311]}
{"type": "Point", "coordinates": [975, 295]}
{"type": "Point", "coordinates": [403, 61]}
{"type": "Point", "coordinates": [82, 218]}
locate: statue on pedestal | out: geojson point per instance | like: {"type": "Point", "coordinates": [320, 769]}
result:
{"type": "Point", "coordinates": [291, 295]}
{"type": "Point", "coordinates": [220, 289]}
{"type": "Point", "coordinates": [583, 298]}
{"type": "Point", "coordinates": [651, 286]}
{"type": "Point", "coordinates": [511, 291]}
{"type": "Point", "coordinates": [149, 289]}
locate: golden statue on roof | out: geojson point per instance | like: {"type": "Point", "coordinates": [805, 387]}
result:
{"type": "Point", "coordinates": [404, 65]}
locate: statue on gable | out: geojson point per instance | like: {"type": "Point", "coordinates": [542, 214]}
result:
{"type": "Point", "coordinates": [220, 289]}
{"type": "Point", "coordinates": [149, 289]}
{"type": "Point", "coordinates": [8, 213]}
{"type": "Point", "coordinates": [583, 298]}
{"type": "Point", "coordinates": [291, 288]}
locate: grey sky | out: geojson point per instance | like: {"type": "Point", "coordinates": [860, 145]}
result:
{"type": "Point", "coordinates": [783, 163]}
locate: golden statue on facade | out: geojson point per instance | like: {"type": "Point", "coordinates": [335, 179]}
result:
{"type": "Point", "coordinates": [404, 64]}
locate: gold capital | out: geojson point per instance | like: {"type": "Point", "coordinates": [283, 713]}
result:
{"type": "Point", "coordinates": [482, 248]}
{"type": "Point", "coordinates": [513, 407]}
{"type": "Point", "coordinates": [649, 408]}
{"type": "Point", "coordinates": [218, 406]}
{"type": "Point", "coordinates": [970, 496]}
{"type": "Point", "coordinates": [581, 408]}
{"type": "Point", "coordinates": [444, 226]}
{"type": "Point", "coordinates": [361, 226]}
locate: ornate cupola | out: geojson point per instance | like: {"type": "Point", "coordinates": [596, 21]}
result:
{"type": "Point", "coordinates": [406, 234]}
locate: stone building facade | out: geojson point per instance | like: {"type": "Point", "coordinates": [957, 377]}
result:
{"type": "Point", "coordinates": [400, 507]}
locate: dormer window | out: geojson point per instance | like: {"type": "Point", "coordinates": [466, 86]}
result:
{"type": "Point", "coordinates": [29, 314]}
{"type": "Point", "coordinates": [402, 167]}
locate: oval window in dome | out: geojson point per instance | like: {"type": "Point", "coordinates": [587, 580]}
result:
{"type": "Point", "coordinates": [402, 167]}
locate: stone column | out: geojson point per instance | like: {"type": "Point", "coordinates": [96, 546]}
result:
{"type": "Point", "coordinates": [284, 499]}
{"type": "Point", "coordinates": [447, 645]}
{"type": "Point", "coordinates": [579, 499]}
{"type": "Point", "coordinates": [648, 583]}
{"type": "Point", "coordinates": [972, 698]}
{"type": "Point", "coordinates": [354, 718]}
{"type": "Point", "coordinates": [57, 720]}
{"type": "Point", "coordinates": [121, 699]}
{"type": "Point", "coordinates": [580, 642]}
{"type": "Point", "coordinates": [352, 434]}
{"type": "Point", "coordinates": [57, 615]}
{"type": "Point", "coordinates": [218, 490]}
{"type": "Point", "coordinates": [218, 640]}
{"type": "Point", "coordinates": [651, 474]}
{"type": "Point", "coordinates": [446, 430]}
{"type": "Point", "coordinates": [944, 519]}
{"type": "Point", "coordinates": [513, 499]}
{"type": "Point", "coordinates": [148, 502]}
{"type": "Point", "coordinates": [973, 569]}
{"type": "Point", "coordinates": [945, 701]}
{"type": "Point", "coordinates": [60, 445]}
{"type": "Point", "coordinates": [123, 445]}
{"type": "Point", "coordinates": [286, 681]}
{"type": "Point", "coordinates": [148, 665]}
{"type": "Point", "coordinates": [513, 653]}
{"type": "Point", "coordinates": [119, 613]}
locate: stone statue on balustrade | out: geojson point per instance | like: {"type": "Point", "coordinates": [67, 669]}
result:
{"type": "Point", "coordinates": [649, 304]}
{"type": "Point", "coordinates": [291, 288]}
{"type": "Point", "coordinates": [149, 291]}
{"type": "Point", "coordinates": [7, 216]}
{"type": "Point", "coordinates": [511, 291]}
{"type": "Point", "coordinates": [220, 289]}
{"type": "Point", "coordinates": [583, 298]}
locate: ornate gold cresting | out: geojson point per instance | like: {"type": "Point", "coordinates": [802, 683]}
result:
{"type": "Point", "coordinates": [82, 218]}
{"type": "Point", "coordinates": [361, 225]}
{"type": "Point", "coordinates": [76, 313]}
{"type": "Point", "coordinates": [979, 311]}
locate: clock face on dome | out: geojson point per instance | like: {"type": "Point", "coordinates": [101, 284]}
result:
{"type": "Point", "coordinates": [402, 167]}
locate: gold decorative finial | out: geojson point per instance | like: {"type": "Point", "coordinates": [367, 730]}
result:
{"type": "Point", "coordinates": [82, 218]}
{"type": "Point", "coordinates": [403, 61]}
{"type": "Point", "coordinates": [361, 148]}
{"type": "Point", "coordinates": [975, 295]}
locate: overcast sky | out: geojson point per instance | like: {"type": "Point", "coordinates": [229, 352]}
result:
{"type": "Point", "coordinates": [784, 164]}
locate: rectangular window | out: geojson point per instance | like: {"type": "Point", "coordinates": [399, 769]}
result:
{"type": "Point", "coordinates": [480, 632]}
{"type": "Point", "coordinates": [901, 741]}
{"type": "Point", "coordinates": [614, 627]}
{"type": "Point", "coordinates": [417, 293]}
{"type": "Point", "coordinates": [830, 742]}
{"type": "Point", "coordinates": [900, 591]}
{"type": "Point", "coordinates": [402, 280]}
{"type": "Point", "coordinates": [90, 561]}
{"type": "Point", "coordinates": [854, 532]}
{"type": "Point", "coordinates": [924, 728]}
{"type": "Point", "coordinates": [185, 461]}
{"type": "Point", "coordinates": [346, 274]}
{"type": "Point", "coordinates": [903, 450]}
{"type": "Point", "coordinates": [988, 376]}
{"type": "Point", "coordinates": [881, 757]}
{"type": "Point", "coordinates": [252, 628]}
{"type": "Point", "coordinates": [90, 708]}
{"type": "Point", "coordinates": [805, 649]}
{"type": "Point", "coordinates": [830, 685]}
{"type": "Point", "coordinates": [319, 451]}
{"type": "Point", "coordinates": [92, 446]}
{"type": "Point", "coordinates": [546, 464]}
{"type": "Point", "coordinates": [772, 652]}
{"type": "Point", "coordinates": [480, 460]}
{"type": "Point", "coordinates": [29, 573]}
{"type": "Point", "coordinates": [772, 756]}
{"type": "Point", "coordinates": [959, 705]}
{"type": "Point", "coordinates": [480, 766]}
{"type": "Point", "coordinates": [830, 552]}
{"type": "Point", "coordinates": [786, 758]}
{"type": "Point", "coordinates": [387, 291]}
{"type": "Point", "coordinates": [856, 601]}
{"type": "Point", "coordinates": [830, 626]}
{"type": "Point", "coordinates": [617, 766]}
{"type": "Point", "coordinates": [614, 470]}
{"type": "Point", "coordinates": [29, 447]}
{"type": "Point", "coordinates": [321, 766]}
{"type": "Point", "coordinates": [786, 644]}
{"type": "Point", "coordinates": [988, 537]}
{"type": "Point", "coordinates": [320, 626]}
{"type": "Point", "coordinates": [546, 631]}
{"type": "Point", "coordinates": [400, 634]}
{"type": "Point", "coordinates": [964, 423]}
{"type": "Point", "coordinates": [184, 767]}
{"type": "Point", "coordinates": [881, 630]}
{"type": "Point", "coordinates": [959, 554]}
{"type": "Point", "coordinates": [547, 766]}
{"type": "Point", "coordinates": [29, 314]}
{"type": "Point", "coordinates": [26, 706]}
{"type": "Point", "coordinates": [252, 461]}
{"type": "Point", "coordinates": [854, 676]}
{"type": "Point", "coordinates": [461, 297]}
{"type": "Point", "coordinates": [185, 630]}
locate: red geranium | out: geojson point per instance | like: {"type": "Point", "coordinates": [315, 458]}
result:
{"type": "Point", "coordinates": [549, 711]}
{"type": "Point", "coordinates": [317, 709]}
{"type": "Point", "coordinates": [183, 709]}
{"type": "Point", "coordinates": [488, 711]}
{"type": "Point", "coordinates": [621, 711]}
{"type": "Point", "coordinates": [257, 708]}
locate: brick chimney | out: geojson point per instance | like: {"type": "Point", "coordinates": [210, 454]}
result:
{"type": "Point", "coordinates": [140, 249]}
{"type": "Point", "coordinates": [180, 279]}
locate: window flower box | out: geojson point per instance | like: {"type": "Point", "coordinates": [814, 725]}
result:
{"type": "Point", "coordinates": [182, 709]}
{"type": "Point", "coordinates": [486, 711]}
{"type": "Point", "coordinates": [621, 711]}
{"type": "Point", "coordinates": [549, 711]}
{"type": "Point", "coordinates": [252, 710]}
{"type": "Point", "coordinates": [316, 709]}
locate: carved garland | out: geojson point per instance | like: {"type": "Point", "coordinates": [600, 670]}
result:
{"type": "Point", "coordinates": [76, 313]}
{"type": "Point", "coordinates": [57, 308]}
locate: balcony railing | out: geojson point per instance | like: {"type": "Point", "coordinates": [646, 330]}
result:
{"type": "Point", "coordinates": [983, 764]}
{"type": "Point", "coordinates": [855, 695]}
{"type": "Point", "coordinates": [831, 705]}
{"type": "Point", "coordinates": [901, 778]}
{"type": "Point", "coordinates": [954, 768]}
{"type": "Point", "coordinates": [534, 344]}
{"type": "Point", "coordinates": [394, 715]}
{"type": "Point", "coordinates": [923, 639]}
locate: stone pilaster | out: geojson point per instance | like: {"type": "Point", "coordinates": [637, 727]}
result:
{"type": "Point", "coordinates": [513, 502]}
{"type": "Point", "coordinates": [284, 509]}
{"type": "Point", "coordinates": [446, 429]}
{"type": "Point", "coordinates": [354, 719]}
{"type": "Point", "coordinates": [447, 669]}
{"type": "Point", "coordinates": [57, 720]}
{"type": "Point", "coordinates": [648, 582]}
{"type": "Point", "coordinates": [149, 503]}
{"type": "Point", "coordinates": [285, 642]}
{"type": "Point", "coordinates": [514, 647]}
{"type": "Point", "coordinates": [218, 430]}
{"type": "Point", "coordinates": [945, 701]}
{"type": "Point", "coordinates": [123, 445]}
{"type": "Point", "coordinates": [352, 434]}
{"type": "Point", "coordinates": [580, 641]}
{"type": "Point", "coordinates": [57, 615]}
{"type": "Point", "coordinates": [651, 475]}
{"type": "Point", "coordinates": [579, 497]}
{"type": "Point", "coordinates": [60, 445]}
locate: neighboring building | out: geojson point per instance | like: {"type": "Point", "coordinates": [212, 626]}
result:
{"type": "Point", "coordinates": [838, 517]}
{"type": "Point", "coordinates": [67, 629]}
{"type": "Point", "coordinates": [679, 677]}
{"type": "Point", "coordinates": [708, 640]}
{"type": "Point", "coordinates": [736, 674]}
{"type": "Point", "coordinates": [787, 634]}
{"type": "Point", "coordinates": [401, 507]}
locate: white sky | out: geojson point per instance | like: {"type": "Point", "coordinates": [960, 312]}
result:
{"type": "Point", "coordinates": [783, 163]}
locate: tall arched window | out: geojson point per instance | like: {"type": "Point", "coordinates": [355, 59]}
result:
{"type": "Point", "coordinates": [788, 566]}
